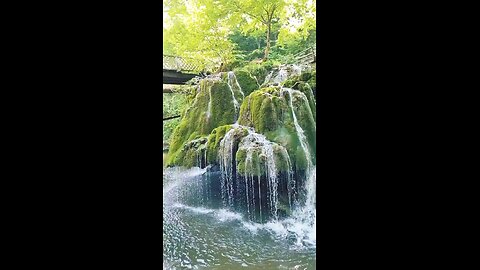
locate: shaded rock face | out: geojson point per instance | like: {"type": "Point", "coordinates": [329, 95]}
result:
{"type": "Point", "coordinates": [258, 129]}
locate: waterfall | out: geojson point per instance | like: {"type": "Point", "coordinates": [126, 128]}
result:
{"type": "Point", "coordinates": [298, 128]}
{"type": "Point", "coordinates": [248, 161]}
{"type": "Point", "coordinates": [201, 154]}
{"type": "Point", "coordinates": [226, 155]}
{"type": "Point", "coordinates": [290, 180]}
{"type": "Point", "coordinates": [307, 213]}
{"type": "Point", "coordinates": [268, 78]}
{"type": "Point", "coordinates": [281, 76]}
{"type": "Point", "coordinates": [264, 148]}
{"type": "Point", "coordinates": [226, 167]}
{"type": "Point", "coordinates": [233, 83]}
{"type": "Point", "coordinates": [250, 143]}
{"type": "Point", "coordinates": [311, 92]}
{"type": "Point", "coordinates": [209, 110]}
{"type": "Point", "coordinates": [296, 69]}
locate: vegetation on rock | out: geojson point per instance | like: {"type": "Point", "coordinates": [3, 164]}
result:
{"type": "Point", "coordinates": [211, 107]}
{"type": "Point", "coordinates": [267, 110]}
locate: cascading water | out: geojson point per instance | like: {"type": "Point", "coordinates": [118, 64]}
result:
{"type": "Point", "coordinates": [268, 78]}
{"type": "Point", "coordinates": [209, 109]}
{"type": "Point", "coordinates": [311, 92]}
{"type": "Point", "coordinates": [226, 159]}
{"type": "Point", "coordinates": [233, 83]}
{"type": "Point", "coordinates": [296, 69]}
{"type": "Point", "coordinates": [281, 76]}
{"type": "Point", "coordinates": [307, 213]}
{"type": "Point", "coordinates": [252, 142]}
{"type": "Point", "coordinates": [201, 154]}
{"type": "Point", "coordinates": [298, 128]}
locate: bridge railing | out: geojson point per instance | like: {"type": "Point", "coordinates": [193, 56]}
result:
{"type": "Point", "coordinates": [307, 56]}
{"type": "Point", "coordinates": [171, 62]}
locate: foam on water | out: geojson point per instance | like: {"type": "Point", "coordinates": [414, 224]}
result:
{"type": "Point", "coordinates": [304, 234]}
{"type": "Point", "coordinates": [221, 215]}
{"type": "Point", "coordinates": [179, 175]}
{"type": "Point", "coordinates": [301, 227]}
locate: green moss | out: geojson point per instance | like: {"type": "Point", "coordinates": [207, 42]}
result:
{"type": "Point", "coordinates": [214, 142]}
{"type": "Point", "coordinates": [217, 136]}
{"type": "Point", "coordinates": [269, 113]}
{"type": "Point", "coordinates": [259, 70]}
{"type": "Point", "coordinates": [246, 81]}
{"type": "Point", "coordinates": [308, 91]}
{"type": "Point", "coordinates": [258, 160]}
{"type": "Point", "coordinates": [195, 122]}
{"type": "Point", "coordinates": [266, 110]}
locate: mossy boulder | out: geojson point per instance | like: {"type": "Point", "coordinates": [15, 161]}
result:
{"type": "Point", "coordinates": [306, 83]}
{"type": "Point", "coordinates": [217, 135]}
{"type": "Point", "coordinates": [214, 142]}
{"type": "Point", "coordinates": [258, 71]}
{"type": "Point", "coordinates": [252, 157]}
{"type": "Point", "coordinates": [248, 82]}
{"type": "Point", "coordinates": [191, 153]}
{"type": "Point", "coordinates": [269, 112]}
{"type": "Point", "coordinates": [212, 107]}
{"type": "Point", "coordinates": [212, 112]}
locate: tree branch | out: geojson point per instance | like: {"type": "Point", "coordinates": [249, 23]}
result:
{"type": "Point", "coordinates": [239, 9]}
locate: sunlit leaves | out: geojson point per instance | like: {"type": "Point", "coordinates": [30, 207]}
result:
{"type": "Point", "coordinates": [200, 29]}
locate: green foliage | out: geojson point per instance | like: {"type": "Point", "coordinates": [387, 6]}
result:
{"type": "Point", "coordinates": [233, 31]}
{"type": "Point", "coordinates": [173, 104]}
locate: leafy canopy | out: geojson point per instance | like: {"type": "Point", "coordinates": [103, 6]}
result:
{"type": "Point", "coordinates": [218, 31]}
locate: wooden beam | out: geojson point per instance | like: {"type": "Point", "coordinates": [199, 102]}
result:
{"type": "Point", "coordinates": [174, 77]}
{"type": "Point", "coordinates": [167, 91]}
{"type": "Point", "coordinates": [171, 117]}
{"type": "Point", "coordinates": [170, 89]}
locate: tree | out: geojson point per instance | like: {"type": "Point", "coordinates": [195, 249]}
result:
{"type": "Point", "coordinates": [258, 15]}
{"type": "Point", "coordinates": [205, 29]}
{"type": "Point", "coordinates": [196, 29]}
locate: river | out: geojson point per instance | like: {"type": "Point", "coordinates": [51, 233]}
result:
{"type": "Point", "coordinates": [198, 235]}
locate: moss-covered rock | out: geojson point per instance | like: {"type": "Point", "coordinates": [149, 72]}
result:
{"type": "Point", "coordinates": [248, 82]}
{"type": "Point", "coordinates": [306, 83]}
{"type": "Point", "coordinates": [252, 158]}
{"type": "Point", "coordinates": [258, 71]}
{"type": "Point", "coordinates": [212, 106]}
{"type": "Point", "coordinates": [268, 111]}
{"type": "Point", "coordinates": [191, 153]}
{"type": "Point", "coordinates": [214, 142]}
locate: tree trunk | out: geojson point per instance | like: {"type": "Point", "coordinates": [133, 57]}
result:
{"type": "Point", "coordinates": [267, 48]}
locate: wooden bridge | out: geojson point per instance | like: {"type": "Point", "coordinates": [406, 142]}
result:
{"type": "Point", "coordinates": [307, 56]}
{"type": "Point", "coordinates": [179, 70]}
